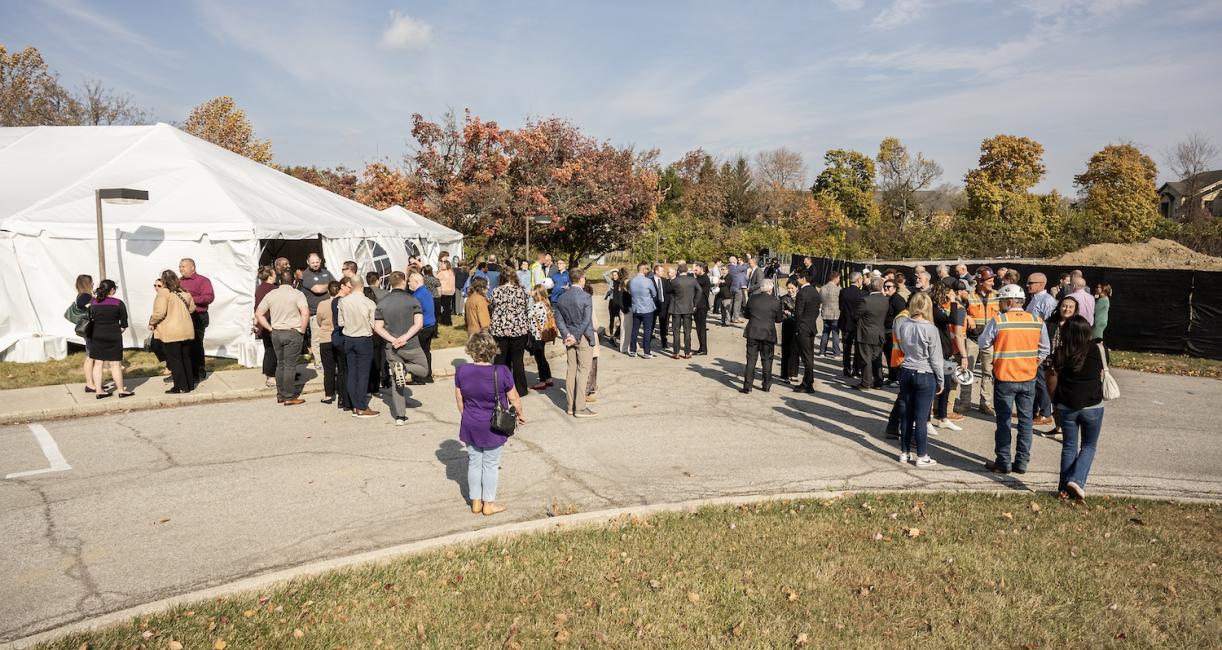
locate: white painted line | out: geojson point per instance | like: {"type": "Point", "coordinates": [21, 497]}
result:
{"type": "Point", "coordinates": [49, 449]}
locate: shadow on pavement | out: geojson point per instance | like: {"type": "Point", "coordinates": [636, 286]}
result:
{"type": "Point", "coordinates": [452, 454]}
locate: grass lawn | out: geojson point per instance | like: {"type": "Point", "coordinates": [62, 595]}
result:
{"type": "Point", "coordinates": [865, 571]}
{"type": "Point", "coordinates": [68, 370]}
{"type": "Point", "coordinates": [1167, 364]}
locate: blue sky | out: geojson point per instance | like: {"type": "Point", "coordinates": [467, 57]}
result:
{"type": "Point", "coordinates": [336, 83]}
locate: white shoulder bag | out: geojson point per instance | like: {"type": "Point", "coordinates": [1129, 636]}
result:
{"type": "Point", "coordinates": [1111, 390]}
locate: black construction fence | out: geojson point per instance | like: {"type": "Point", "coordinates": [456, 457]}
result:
{"type": "Point", "coordinates": [1170, 311]}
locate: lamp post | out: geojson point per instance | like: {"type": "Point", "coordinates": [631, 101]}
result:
{"type": "Point", "coordinates": [539, 219]}
{"type": "Point", "coordinates": [118, 196]}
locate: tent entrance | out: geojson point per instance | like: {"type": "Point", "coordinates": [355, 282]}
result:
{"type": "Point", "coordinates": [295, 250]}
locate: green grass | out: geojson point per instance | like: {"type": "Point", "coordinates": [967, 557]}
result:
{"type": "Point", "coordinates": [865, 571]}
{"type": "Point", "coordinates": [1167, 364]}
{"type": "Point", "coordinates": [68, 369]}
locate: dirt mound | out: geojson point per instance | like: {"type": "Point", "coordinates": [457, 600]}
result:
{"type": "Point", "coordinates": [1153, 254]}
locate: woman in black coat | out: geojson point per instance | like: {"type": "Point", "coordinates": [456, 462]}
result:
{"type": "Point", "coordinates": [108, 316]}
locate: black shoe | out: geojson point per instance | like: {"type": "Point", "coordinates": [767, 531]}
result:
{"type": "Point", "coordinates": [744, 390]}
{"type": "Point", "coordinates": [893, 436]}
{"type": "Point", "coordinates": [802, 388]}
{"type": "Point", "coordinates": [1019, 469]}
{"type": "Point", "coordinates": [327, 400]}
{"type": "Point", "coordinates": [175, 391]}
{"type": "Point", "coordinates": [767, 387]}
{"type": "Point", "coordinates": [992, 466]}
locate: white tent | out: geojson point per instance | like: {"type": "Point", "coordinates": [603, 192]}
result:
{"type": "Point", "coordinates": [435, 237]}
{"type": "Point", "coordinates": [205, 202]}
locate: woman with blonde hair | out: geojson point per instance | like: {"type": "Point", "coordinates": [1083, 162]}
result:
{"type": "Point", "coordinates": [921, 376]}
{"type": "Point", "coordinates": [78, 311]}
{"type": "Point", "coordinates": [478, 386]}
{"type": "Point", "coordinates": [171, 324]}
{"type": "Point", "coordinates": [542, 332]}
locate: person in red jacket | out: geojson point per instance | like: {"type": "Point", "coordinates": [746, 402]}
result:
{"type": "Point", "coordinates": [201, 292]}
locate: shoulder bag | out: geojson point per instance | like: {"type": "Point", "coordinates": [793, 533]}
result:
{"type": "Point", "coordinates": [1111, 390]}
{"type": "Point", "coordinates": [75, 313]}
{"type": "Point", "coordinates": [504, 419]}
{"type": "Point", "coordinates": [84, 326]}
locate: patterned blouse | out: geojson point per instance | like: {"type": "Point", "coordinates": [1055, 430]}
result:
{"type": "Point", "coordinates": [538, 319]}
{"type": "Point", "coordinates": [433, 285]}
{"type": "Point", "coordinates": [510, 307]}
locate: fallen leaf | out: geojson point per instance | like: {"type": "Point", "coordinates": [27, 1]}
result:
{"type": "Point", "coordinates": [878, 537]}
{"type": "Point", "coordinates": [801, 641]}
{"type": "Point", "coordinates": [737, 630]}
{"type": "Point", "coordinates": [219, 644]}
{"type": "Point", "coordinates": [297, 633]}
{"type": "Point", "coordinates": [1073, 551]}
{"type": "Point", "coordinates": [1008, 515]}
{"type": "Point", "coordinates": [1035, 507]}
{"type": "Point", "coordinates": [791, 595]}
{"type": "Point", "coordinates": [563, 636]}
{"type": "Point", "coordinates": [250, 613]}
{"type": "Point", "coordinates": [147, 634]}
{"type": "Point", "coordinates": [419, 631]}
{"type": "Point", "coordinates": [163, 520]}
{"type": "Point", "coordinates": [693, 597]}
{"type": "Point", "coordinates": [655, 585]}
{"type": "Point", "coordinates": [174, 645]}
{"type": "Point", "coordinates": [913, 532]}
{"type": "Point", "coordinates": [263, 599]}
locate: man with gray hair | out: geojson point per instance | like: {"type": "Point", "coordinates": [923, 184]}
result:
{"type": "Point", "coordinates": [398, 319]}
{"type": "Point", "coordinates": [763, 313]}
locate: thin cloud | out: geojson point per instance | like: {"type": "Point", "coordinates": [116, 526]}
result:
{"type": "Point", "coordinates": [107, 25]}
{"type": "Point", "coordinates": [899, 13]}
{"type": "Point", "coordinates": [849, 5]}
{"type": "Point", "coordinates": [406, 33]}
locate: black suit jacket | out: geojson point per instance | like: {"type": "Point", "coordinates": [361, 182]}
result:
{"type": "Point", "coordinates": [871, 316]}
{"type": "Point", "coordinates": [806, 309]}
{"type": "Point", "coordinates": [850, 297]}
{"type": "Point", "coordinates": [706, 285]}
{"type": "Point", "coordinates": [763, 313]}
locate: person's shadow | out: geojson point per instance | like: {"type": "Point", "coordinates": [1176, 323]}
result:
{"type": "Point", "coordinates": [452, 454]}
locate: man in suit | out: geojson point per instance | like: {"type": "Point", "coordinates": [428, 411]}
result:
{"type": "Point", "coordinates": [684, 293]}
{"type": "Point", "coordinates": [871, 316]}
{"type": "Point", "coordinates": [702, 308]}
{"type": "Point", "coordinates": [763, 313]}
{"type": "Point", "coordinates": [807, 307]}
{"type": "Point", "coordinates": [755, 275]}
{"type": "Point", "coordinates": [661, 282]}
{"type": "Point", "coordinates": [850, 298]}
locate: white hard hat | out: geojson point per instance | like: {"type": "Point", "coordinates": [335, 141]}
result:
{"type": "Point", "coordinates": [964, 377]}
{"type": "Point", "coordinates": [1012, 292]}
{"type": "Point", "coordinates": [548, 283]}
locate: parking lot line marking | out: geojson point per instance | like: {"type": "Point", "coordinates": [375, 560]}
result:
{"type": "Point", "coordinates": [49, 449]}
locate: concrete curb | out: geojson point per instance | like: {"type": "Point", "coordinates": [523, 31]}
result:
{"type": "Point", "coordinates": [114, 406]}
{"type": "Point", "coordinates": [275, 578]}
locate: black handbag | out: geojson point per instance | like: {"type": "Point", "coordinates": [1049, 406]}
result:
{"type": "Point", "coordinates": [504, 419]}
{"type": "Point", "coordinates": [84, 326]}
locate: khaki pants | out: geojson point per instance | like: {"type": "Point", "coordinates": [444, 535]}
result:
{"type": "Point", "coordinates": [577, 375]}
{"type": "Point", "coordinates": [984, 377]}
{"type": "Point", "coordinates": [315, 343]}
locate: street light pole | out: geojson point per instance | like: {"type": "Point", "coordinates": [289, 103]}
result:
{"type": "Point", "coordinates": [97, 201]}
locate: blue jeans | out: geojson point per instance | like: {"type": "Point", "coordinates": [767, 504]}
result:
{"type": "Point", "coordinates": [645, 320]}
{"type": "Point", "coordinates": [483, 470]}
{"type": "Point", "coordinates": [359, 350]}
{"type": "Point", "coordinates": [1007, 396]}
{"type": "Point", "coordinates": [830, 328]}
{"type": "Point", "coordinates": [1043, 403]}
{"type": "Point", "coordinates": [916, 390]}
{"type": "Point", "coordinates": [1080, 426]}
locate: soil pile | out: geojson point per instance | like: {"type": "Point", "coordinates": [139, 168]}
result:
{"type": "Point", "coordinates": [1153, 254]}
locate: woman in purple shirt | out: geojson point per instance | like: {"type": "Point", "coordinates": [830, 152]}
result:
{"type": "Point", "coordinates": [475, 394]}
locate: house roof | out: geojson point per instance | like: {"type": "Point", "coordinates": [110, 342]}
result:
{"type": "Point", "coordinates": [1202, 181]}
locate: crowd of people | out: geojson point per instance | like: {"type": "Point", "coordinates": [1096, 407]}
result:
{"type": "Point", "coordinates": [1031, 351]}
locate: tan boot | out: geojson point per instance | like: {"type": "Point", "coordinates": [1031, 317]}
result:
{"type": "Point", "coordinates": [477, 506]}
{"type": "Point", "coordinates": [492, 508]}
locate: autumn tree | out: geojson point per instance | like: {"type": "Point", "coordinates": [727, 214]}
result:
{"type": "Point", "coordinates": [382, 186]}
{"type": "Point", "coordinates": [600, 197]}
{"type": "Point", "coordinates": [1002, 215]}
{"type": "Point", "coordinates": [30, 94]}
{"type": "Point", "coordinates": [901, 176]}
{"type": "Point", "coordinates": [460, 178]}
{"type": "Point", "coordinates": [221, 122]}
{"type": "Point", "coordinates": [848, 179]}
{"type": "Point", "coordinates": [703, 194]}
{"type": "Point", "coordinates": [340, 180]}
{"type": "Point", "coordinates": [1118, 193]}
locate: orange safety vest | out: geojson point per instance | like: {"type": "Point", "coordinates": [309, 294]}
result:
{"type": "Point", "coordinates": [983, 308]}
{"type": "Point", "coordinates": [1016, 348]}
{"type": "Point", "coordinates": [897, 355]}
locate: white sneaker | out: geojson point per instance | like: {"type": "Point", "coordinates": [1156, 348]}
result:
{"type": "Point", "coordinates": [904, 456]}
{"type": "Point", "coordinates": [947, 424]}
{"type": "Point", "coordinates": [931, 429]}
{"type": "Point", "coordinates": [925, 461]}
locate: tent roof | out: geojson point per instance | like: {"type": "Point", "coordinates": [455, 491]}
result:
{"type": "Point", "coordinates": [196, 189]}
{"type": "Point", "coordinates": [440, 233]}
